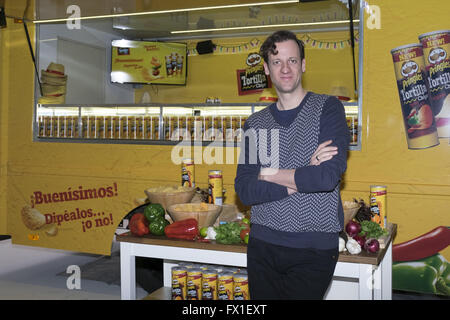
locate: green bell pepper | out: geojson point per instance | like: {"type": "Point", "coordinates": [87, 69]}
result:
{"type": "Point", "coordinates": [157, 226]}
{"type": "Point", "coordinates": [154, 211]}
{"type": "Point", "coordinates": [414, 276]}
{"type": "Point", "coordinates": [437, 261]}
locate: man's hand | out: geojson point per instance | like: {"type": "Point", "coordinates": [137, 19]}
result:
{"type": "Point", "coordinates": [323, 153]}
{"type": "Point", "coordinates": [286, 177]}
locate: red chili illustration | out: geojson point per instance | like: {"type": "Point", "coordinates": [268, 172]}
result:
{"type": "Point", "coordinates": [423, 246]}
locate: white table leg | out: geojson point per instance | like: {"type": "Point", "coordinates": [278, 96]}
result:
{"type": "Point", "coordinates": [366, 282]}
{"type": "Point", "coordinates": [127, 272]}
{"type": "Point", "coordinates": [167, 272]}
{"type": "Point", "coordinates": [378, 275]}
{"type": "Point", "coordinates": [386, 271]}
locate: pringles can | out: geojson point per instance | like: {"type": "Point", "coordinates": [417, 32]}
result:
{"type": "Point", "coordinates": [418, 115]}
{"type": "Point", "coordinates": [436, 52]}
{"type": "Point", "coordinates": [215, 187]}
{"type": "Point", "coordinates": [179, 281]}
{"type": "Point", "coordinates": [378, 204]}
{"type": "Point", "coordinates": [225, 286]}
{"type": "Point", "coordinates": [240, 286]}
{"type": "Point", "coordinates": [187, 173]}
{"type": "Point", "coordinates": [209, 284]}
{"type": "Point", "coordinates": [194, 284]}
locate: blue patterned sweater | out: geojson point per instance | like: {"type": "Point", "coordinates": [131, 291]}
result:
{"type": "Point", "coordinates": [313, 216]}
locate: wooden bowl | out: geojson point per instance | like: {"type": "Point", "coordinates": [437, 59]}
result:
{"type": "Point", "coordinates": [205, 213]}
{"type": "Point", "coordinates": [350, 210]}
{"type": "Point", "coordinates": [167, 199]}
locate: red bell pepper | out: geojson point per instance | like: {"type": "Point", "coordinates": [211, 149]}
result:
{"type": "Point", "coordinates": [184, 229]}
{"type": "Point", "coordinates": [138, 225]}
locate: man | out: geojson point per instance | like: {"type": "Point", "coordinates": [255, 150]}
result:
{"type": "Point", "coordinates": [293, 155]}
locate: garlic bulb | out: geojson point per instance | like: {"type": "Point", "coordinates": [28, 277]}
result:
{"type": "Point", "coordinates": [211, 233]}
{"type": "Point", "coordinates": [353, 246]}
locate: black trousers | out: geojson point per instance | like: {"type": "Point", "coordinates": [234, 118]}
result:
{"type": "Point", "coordinates": [276, 272]}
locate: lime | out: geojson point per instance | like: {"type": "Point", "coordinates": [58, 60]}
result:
{"type": "Point", "coordinates": [246, 239]}
{"type": "Point", "coordinates": [246, 221]}
{"type": "Point", "coordinates": [203, 231]}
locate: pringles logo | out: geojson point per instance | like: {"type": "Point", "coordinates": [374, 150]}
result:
{"type": "Point", "coordinates": [253, 59]}
{"type": "Point", "coordinates": [409, 68]}
{"type": "Point", "coordinates": [409, 71]}
{"type": "Point", "coordinates": [437, 55]}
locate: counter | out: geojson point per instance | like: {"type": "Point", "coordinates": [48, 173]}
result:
{"type": "Point", "coordinates": [364, 276]}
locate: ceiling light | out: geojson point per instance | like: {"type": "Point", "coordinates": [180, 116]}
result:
{"type": "Point", "coordinates": [166, 11]}
{"type": "Point", "coordinates": [266, 26]}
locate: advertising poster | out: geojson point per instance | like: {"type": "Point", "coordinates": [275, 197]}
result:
{"type": "Point", "coordinates": [419, 264]}
{"type": "Point", "coordinates": [422, 71]}
{"type": "Point", "coordinates": [252, 79]}
{"type": "Point", "coordinates": [76, 214]}
{"type": "Point", "coordinates": [148, 62]}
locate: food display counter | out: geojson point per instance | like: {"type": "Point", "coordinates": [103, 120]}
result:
{"type": "Point", "coordinates": [363, 276]}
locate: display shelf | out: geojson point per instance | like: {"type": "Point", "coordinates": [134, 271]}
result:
{"type": "Point", "coordinates": [156, 123]}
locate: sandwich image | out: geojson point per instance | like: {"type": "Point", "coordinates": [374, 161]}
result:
{"type": "Point", "coordinates": [420, 119]}
{"type": "Point", "coordinates": [156, 65]}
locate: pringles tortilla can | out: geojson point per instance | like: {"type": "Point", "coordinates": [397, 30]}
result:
{"type": "Point", "coordinates": [436, 52]}
{"type": "Point", "coordinates": [215, 187]}
{"type": "Point", "coordinates": [240, 286]}
{"type": "Point", "coordinates": [417, 113]}
{"type": "Point", "coordinates": [194, 284]}
{"type": "Point", "coordinates": [225, 286]}
{"type": "Point", "coordinates": [209, 284]}
{"type": "Point", "coordinates": [188, 173]}
{"type": "Point", "coordinates": [378, 204]}
{"type": "Point", "coordinates": [179, 281]}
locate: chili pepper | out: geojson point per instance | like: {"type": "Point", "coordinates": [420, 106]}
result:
{"type": "Point", "coordinates": [414, 276]}
{"type": "Point", "coordinates": [138, 224]}
{"type": "Point", "coordinates": [184, 229]}
{"type": "Point", "coordinates": [423, 246]}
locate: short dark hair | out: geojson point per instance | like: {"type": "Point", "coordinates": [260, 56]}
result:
{"type": "Point", "coordinates": [269, 46]}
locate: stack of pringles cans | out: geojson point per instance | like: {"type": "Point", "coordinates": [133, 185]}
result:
{"type": "Point", "coordinates": [209, 282]}
{"type": "Point", "coordinates": [143, 127]}
{"type": "Point", "coordinates": [423, 80]}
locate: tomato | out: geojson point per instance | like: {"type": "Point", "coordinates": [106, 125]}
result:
{"type": "Point", "coordinates": [244, 233]}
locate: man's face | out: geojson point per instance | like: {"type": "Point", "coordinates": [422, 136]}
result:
{"type": "Point", "coordinates": [285, 68]}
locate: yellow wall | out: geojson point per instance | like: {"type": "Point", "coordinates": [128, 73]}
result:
{"type": "Point", "coordinates": [418, 181]}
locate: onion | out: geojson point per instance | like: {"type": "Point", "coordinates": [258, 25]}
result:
{"type": "Point", "coordinates": [353, 228]}
{"type": "Point", "coordinates": [372, 246]}
{"type": "Point", "coordinates": [361, 240]}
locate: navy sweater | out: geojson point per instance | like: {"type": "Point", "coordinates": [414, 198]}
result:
{"type": "Point", "coordinates": [322, 178]}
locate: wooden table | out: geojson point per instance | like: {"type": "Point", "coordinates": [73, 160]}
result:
{"type": "Point", "coordinates": [370, 274]}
